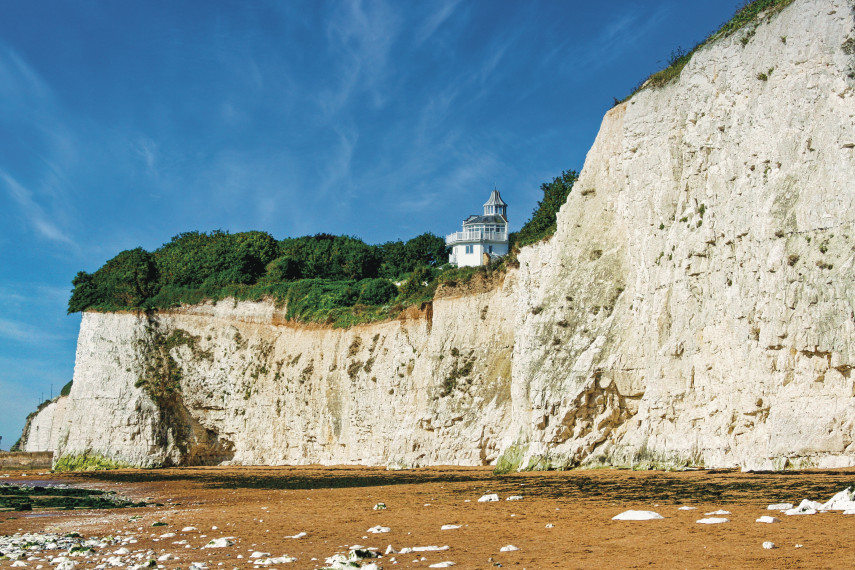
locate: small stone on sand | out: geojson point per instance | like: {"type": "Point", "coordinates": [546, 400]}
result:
{"type": "Point", "coordinates": [713, 520]}
{"type": "Point", "coordinates": [637, 516]}
{"type": "Point", "coordinates": [508, 548]}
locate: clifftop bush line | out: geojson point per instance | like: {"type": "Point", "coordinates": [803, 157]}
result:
{"type": "Point", "coordinates": [337, 280]}
{"type": "Point", "coordinates": [195, 266]}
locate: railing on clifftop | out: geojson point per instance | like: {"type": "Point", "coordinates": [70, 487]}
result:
{"type": "Point", "coordinates": [466, 236]}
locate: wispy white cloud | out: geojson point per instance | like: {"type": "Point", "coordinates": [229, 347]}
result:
{"type": "Point", "coordinates": [147, 150]}
{"type": "Point", "coordinates": [433, 117]}
{"type": "Point", "coordinates": [33, 213]}
{"type": "Point", "coordinates": [29, 295]}
{"type": "Point", "coordinates": [620, 36]}
{"type": "Point", "coordinates": [362, 35]}
{"type": "Point", "coordinates": [19, 82]}
{"type": "Point", "coordinates": [18, 331]}
{"type": "Point", "coordinates": [27, 100]}
{"type": "Point", "coordinates": [336, 169]}
{"type": "Point", "coordinates": [434, 21]}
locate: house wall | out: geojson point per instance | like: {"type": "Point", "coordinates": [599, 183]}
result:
{"type": "Point", "coordinates": [464, 259]}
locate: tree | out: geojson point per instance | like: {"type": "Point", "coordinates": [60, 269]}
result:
{"type": "Point", "coordinates": [543, 219]}
{"type": "Point", "coordinates": [192, 259]}
{"type": "Point", "coordinates": [324, 256]}
{"type": "Point", "coordinates": [127, 280]}
{"type": "Point", "coordinates": [399, 258]}
{"type": "Point", "coordinates": [427, 249]}
{"type": "Point", "coordinates": [84, 294]}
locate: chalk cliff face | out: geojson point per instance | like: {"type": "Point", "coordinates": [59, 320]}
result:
{"type": "Point", "coordinates": [695, 304]}
{"type": "Point", "coordinates": [255, 389]}
{"type": "Point", "coordinates": [703, 264]}
{"type": "Point", "coordinates": [41, 433]}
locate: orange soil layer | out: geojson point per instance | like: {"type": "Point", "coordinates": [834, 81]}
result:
{"type": "Point", "coordinates": [261, 506]}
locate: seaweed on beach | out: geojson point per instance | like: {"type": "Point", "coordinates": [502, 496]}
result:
{"type": "Point", "coordinates": [30, 497]}
{"type": "Point", "coordinates": [713, 486]}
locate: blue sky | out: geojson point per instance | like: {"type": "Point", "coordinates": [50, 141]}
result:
{"type": "Point", "coordinates": [123, 124]}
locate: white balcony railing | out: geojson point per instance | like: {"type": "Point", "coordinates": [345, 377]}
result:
{"type": "Point", "coordinates": [466, 236]}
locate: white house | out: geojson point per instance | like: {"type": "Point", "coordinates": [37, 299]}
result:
{"type": "Point", "coordinates": [483, 237]}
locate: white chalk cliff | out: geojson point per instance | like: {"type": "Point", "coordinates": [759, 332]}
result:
{"type": "Point", "coordinates": [696, 304]}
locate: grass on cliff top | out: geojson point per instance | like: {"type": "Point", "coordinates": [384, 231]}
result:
{"type": "Point", "coordinates": [747, 14]}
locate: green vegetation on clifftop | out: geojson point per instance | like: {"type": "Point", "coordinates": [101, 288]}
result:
{"type": "Point", "coordinates": [544, 217]}
{"type": "Point", "coordinates": [334, 280]}
{"type": "Point", "coordinates": [746, 18]}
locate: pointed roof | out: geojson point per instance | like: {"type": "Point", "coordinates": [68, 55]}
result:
{"type": "Point", "coordinates": [495, 199]}
{"type": "Point", "coordinates": [491, 219]}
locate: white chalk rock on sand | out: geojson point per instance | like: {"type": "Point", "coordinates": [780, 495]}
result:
{"type": "Point", "coordinates": [285, 559]}
{"type": "Point", "coordinates": [338, 561]}
{"type": "Point", "coordinates": [449, 526]}
{"type": "Point", "coordinates": [446, 564]}
{"type": "Point", "coordinates": [224, 542]}
{"type": "Point", "coordinates": [258, 554]}
{"type": "Point", "coordinates": [780, 507]}
{"type": "Point", "coordinates": [685, 508]}
{"type": "Point", "coordinates": [298, 535]}
{"type": "Point", "coordinates": [767, 519]}
{"type": "Point", "coordinates": [378, 529]}
{"type": "Point", "coordinates": [492, 498]}
{"type": "Point", "coordinates": [637, 516]}
{"type": "Point", "coordinates": [806, 507]}
{"type": "Point", "coordinates": [514, 498]}
{"type": "Point", "coordinates": [719, 512]}
{"type": "Point", "coordinates": [768, 545]}
{"type": "Point", "coordinates": [509, 548]}
{"type": "Point", "coordinates": [713, 520]}
{"type": "Point", "coordinates": [411, 549]}
{"type": "Point", "coordinates": [189, 529]}
{"type": "Point", "coordinates": [842, 501]}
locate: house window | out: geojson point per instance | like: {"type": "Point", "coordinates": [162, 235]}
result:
{"type": "Point", "coordinates": [469, 248]}
{"type": "Point", "coordinates": [490, 248]}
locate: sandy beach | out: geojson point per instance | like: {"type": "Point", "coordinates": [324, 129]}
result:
{"type": "Point", "coordinates": [556, 519]}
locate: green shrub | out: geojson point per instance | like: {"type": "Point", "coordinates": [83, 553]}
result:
{"type": "Point", "coordinates": [377, 291]}
{"type": "Point", "coordinates": [418, 281]}
{"type": "Point", "coordinates": [66, 390]}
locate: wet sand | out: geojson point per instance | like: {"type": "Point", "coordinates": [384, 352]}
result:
{"type": "Point", "coordinates": [261, 506]}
